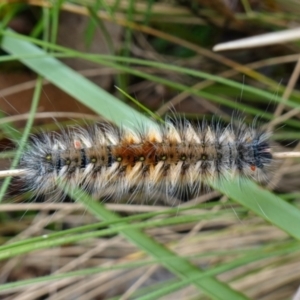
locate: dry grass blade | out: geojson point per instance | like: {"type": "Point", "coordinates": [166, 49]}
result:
{"type": "Point", "coordinates": [18, 172]}
{"type": "Point", "coordinates": [266, 39]}
{"type": "Point", "coordinates": [8, 173]}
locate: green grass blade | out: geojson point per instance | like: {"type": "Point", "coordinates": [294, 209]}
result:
{"type": "Point", "coordinates": [108, 61]}
{"type": "Point", "coordinates": [25, 135]}
{"type": "Point", "coordinates": [74, 84]}
{"type": "Point", "coordinates": [61, 238]}
{"type": "Point", "coordinates": [83, 272]}
{"type": "Point", "coordinates": [171, 287]}
{"type": "Point", "coordinates": [176, 264]}
{"type": "Point", "coordinates": [265, 253]}
{"type": "Point", "coordinates": [140, 218]}
{"type": "Point", "coordinates": [264, 203]}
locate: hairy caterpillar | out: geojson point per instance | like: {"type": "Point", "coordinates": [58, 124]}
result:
{"type": "Point", "coordinates": [168, 158]}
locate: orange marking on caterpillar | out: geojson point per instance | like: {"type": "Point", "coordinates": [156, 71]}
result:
{"type": "Point", "coordinates": [77, 144]}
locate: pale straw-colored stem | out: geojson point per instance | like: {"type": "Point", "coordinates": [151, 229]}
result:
{"type": "Point", "coordinates": [7, 173]}
{"type": "Point", "coordinates": [286, 154]}
{"type": "Point", "coordinates": [18, 172]}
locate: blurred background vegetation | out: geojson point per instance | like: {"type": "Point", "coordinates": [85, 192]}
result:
{"type": "Point", "coordinates": [76, 62]}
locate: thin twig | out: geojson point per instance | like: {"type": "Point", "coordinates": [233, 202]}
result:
{"type": "Point", "coordinates": [286, 154]}
{"type": "Point", "coordinates": [46, 206]}
{"type": "Point", "coordinates": [266, 39]}
{"type": "Point", "coordinates": [18, 172]}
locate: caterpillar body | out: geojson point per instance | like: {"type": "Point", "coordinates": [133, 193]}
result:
{"type": "Point", "coordinates": [168, 158]}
